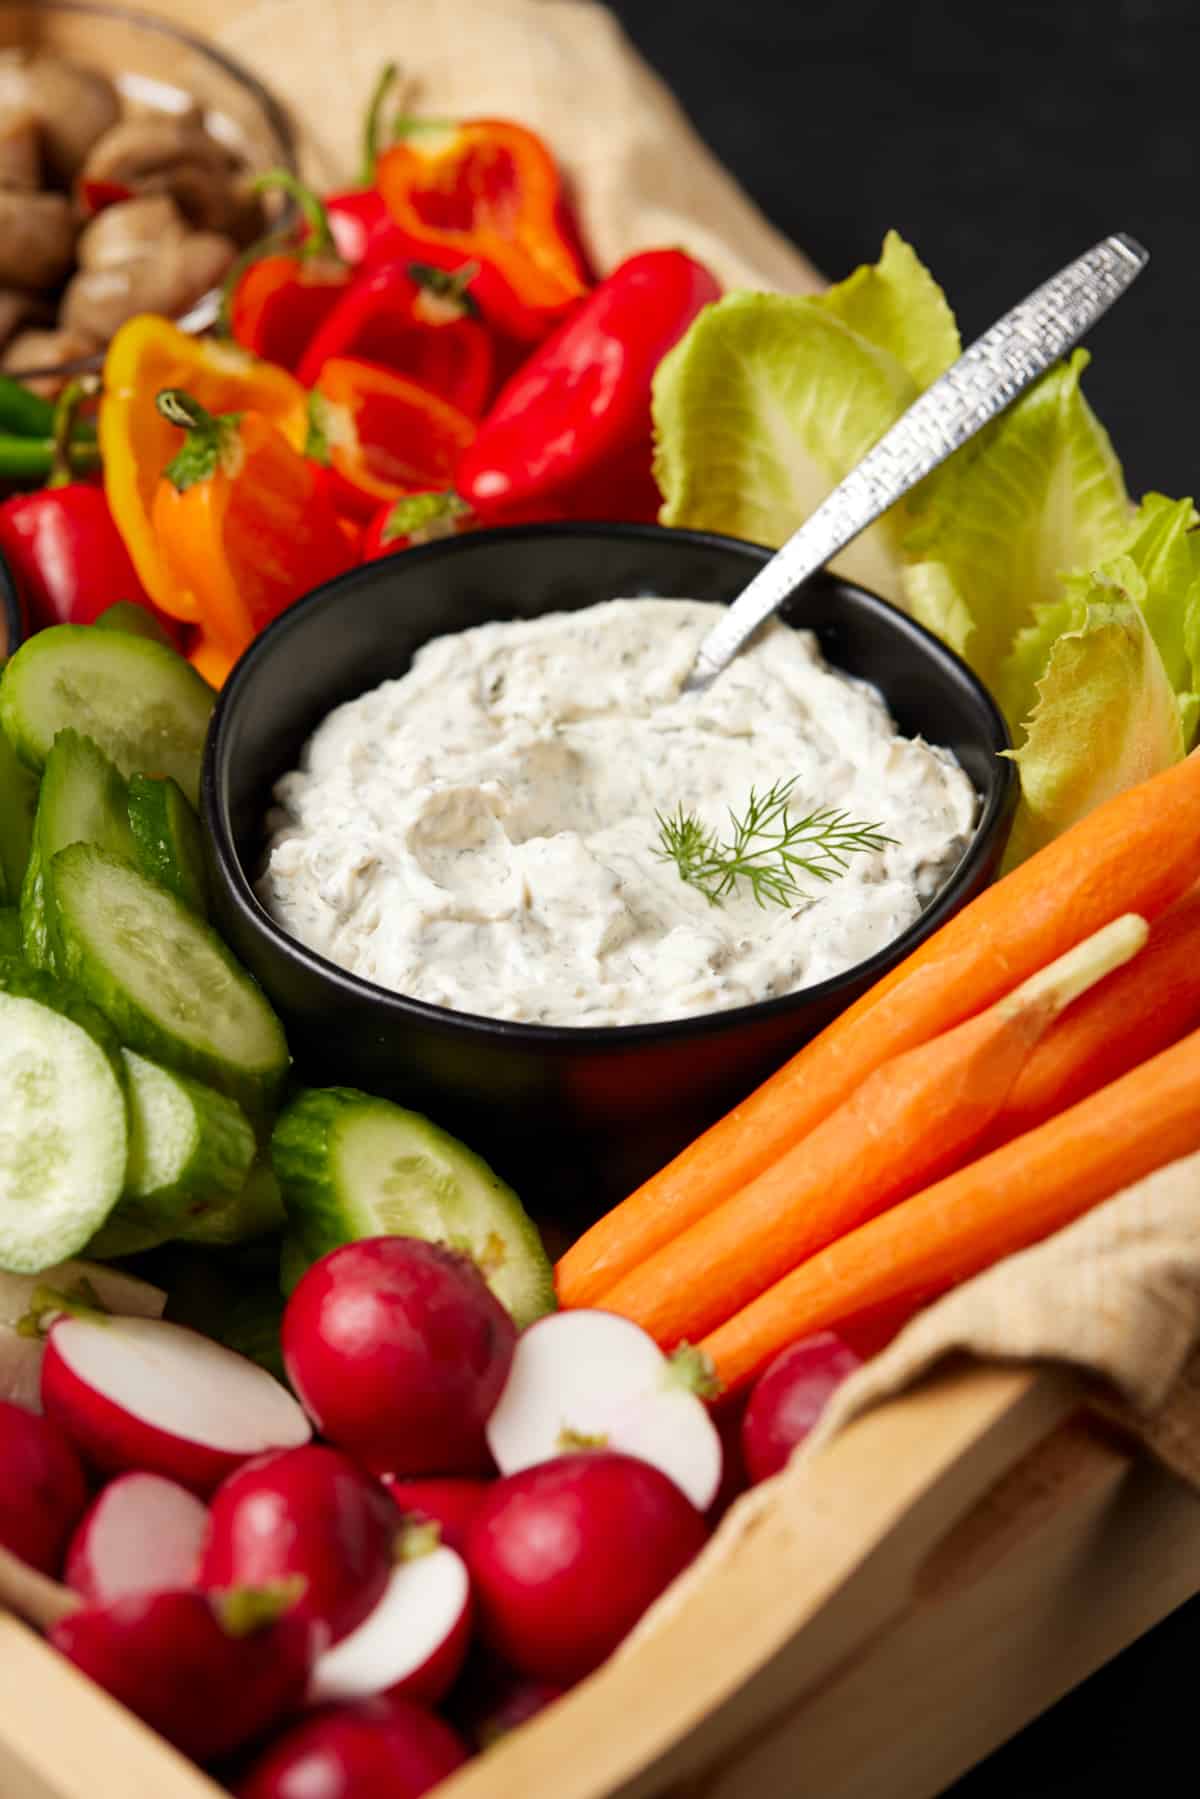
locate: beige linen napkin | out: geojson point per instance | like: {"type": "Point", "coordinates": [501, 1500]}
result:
{"type": "Point", "coordinates": [1117, 1293]}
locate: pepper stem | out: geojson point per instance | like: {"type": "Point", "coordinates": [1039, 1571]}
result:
{"type": "Point", "coordinates": [66, 411]}
{"type": "Point", "coordinates": [373, 121]}
{"type": "Point", "coordinates": [448, 287]}
{"type": "Point", "coordinates": [210, 443]}
{"type": "Point", "coordinates": [319, 240]}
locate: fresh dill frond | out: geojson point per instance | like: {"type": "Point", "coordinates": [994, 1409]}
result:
{"type": "Point", "coordinates": [766, 846]}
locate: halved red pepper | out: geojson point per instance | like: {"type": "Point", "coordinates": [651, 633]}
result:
{"type": "Point", "coordinates": [279, 293]}
{"type": "Point", "coordinates": [487, 191]}
{"type": "Point", "coordinates": [382, 434]}
{"type": "Point", "coordinates": [419, 321]}
{"type": "Point", "coordinates": [571, 431]}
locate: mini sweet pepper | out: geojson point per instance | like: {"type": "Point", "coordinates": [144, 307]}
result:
{"type": "Point", "coordinates": [487, 191]}
{"type": "Point", "coordinates": [571, 431]}
{"type": "Point", "coordinates": [279, 293]}
{"type": "Point", "coordinates": [243, 527]}
{"type": "Point", "coordinates": [383, 435]}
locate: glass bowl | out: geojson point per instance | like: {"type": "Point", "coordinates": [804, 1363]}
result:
{"type": "Point", "coordinates": [156, 64]}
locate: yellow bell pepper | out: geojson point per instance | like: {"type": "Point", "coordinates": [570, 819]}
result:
{"type": "Point", "coordinates": [147, 355]}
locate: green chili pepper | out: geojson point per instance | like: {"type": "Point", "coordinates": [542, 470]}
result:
{"type": "Point", "coordinates": [32, 458]}
{"type": "Point", "coordinates": [25, 414]}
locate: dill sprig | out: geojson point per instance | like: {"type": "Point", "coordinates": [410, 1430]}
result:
{"type": "Point", "coordinates": [766, 846]}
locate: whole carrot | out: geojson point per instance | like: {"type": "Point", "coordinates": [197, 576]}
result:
{"type": "Point", "coordinates": [993, 1207]}
{"type": "Point", "coordinates": [916, 1118]}
{"type": "Point", "coordinates": [1136, 853]}
{"type": "Point", "coordinates": [1129, 1017]}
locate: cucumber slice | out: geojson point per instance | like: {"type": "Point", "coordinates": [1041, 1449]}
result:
{"type": "Point", "coordinates": [128, 616]}
{"type": "Point", "coordinates": [162, 977]}
{"type": "Point", "coordinates": [353, 1166]}
{"type": "Point", "coordinates": [142, 703]}
{"type": "Point", "coordinates": [83, 800]}
{"type": "Point", "coordinates": [169, 844]}
{"type": "Point", "coordinates": [253, 1212]}
{"type": "Point", "coordinates": [18, 802]}
{"type": "Point", "coordinates": [64, 1138]}
{"type": "Point", "coordinates": [10, 931]}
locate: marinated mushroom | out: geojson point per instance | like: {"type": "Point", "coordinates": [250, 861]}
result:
{"type": "Point", "coordinates": [167, 156]}
{"type": "Point", "coordinates": [73, 106]}
{"type": "Point", "coordinates": [166, 279]}
{"type": "Point", "coordinates": [128, 229]}
{"type": "Point", "coordinates": [20, 149]}
{"type": "Point", "coordinates": [37, 238]}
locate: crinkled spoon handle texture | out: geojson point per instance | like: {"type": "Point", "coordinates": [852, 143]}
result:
{"type": "Point", "coordinates": [986, 378]}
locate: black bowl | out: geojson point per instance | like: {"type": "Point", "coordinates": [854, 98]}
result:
{"type": "Point", "coordinates": [574, 1116]}
{"type": "Point", "coordinates": [12, 613]}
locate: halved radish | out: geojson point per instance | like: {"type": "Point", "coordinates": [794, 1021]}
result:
{"type": "Point", "coordinates": [413, 1644]}
{"type": "Point", "coordinates": [140, 1535]}
{"type": "Point", "coordinates": [139, 1393]}
{"type": "Point", "coordinates": [592, 1380]}
{"type": "Point", "coordinates": [21, 1351]}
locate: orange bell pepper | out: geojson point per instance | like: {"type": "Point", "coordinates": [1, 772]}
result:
{"type": "Point", "coordinates": [487, 191]}
{"type": "Point", "coordinates": [147, 355]}
{"type": "Point", "coordinates": [243, 526]}
{"type": "Point", "coordinates": [383, 435]}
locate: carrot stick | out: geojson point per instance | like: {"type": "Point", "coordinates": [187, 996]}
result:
{"type": "Point", "coordinates": [914, 1119]}
{"type": "Point", "coordinates": [993, 1207]}
{"type": "Point", "coordinates": [1137, 852]}
{"type": "Point", "coordinates": [1128, 1018]}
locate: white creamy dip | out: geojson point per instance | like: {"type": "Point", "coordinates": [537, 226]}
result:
{"type": "Point", "coordinates": [481, 833]}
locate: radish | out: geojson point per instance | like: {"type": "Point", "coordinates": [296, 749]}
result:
{"type": "Point", "coordinates": [413, 1644]}
{"type": "Point", "coordinates": [590, 1379]}
{"type": "Point", "coordinates": [398, 1350]}
{"type": "Point", "coordinates": [143, 1534]}
{"type": "Point", "coordinates": [208, 1671]}
{"type": "Point", "coordinates": [490, 1700]}
{"type": "Point", "coordinates": [789, 1396]}
{"type": "Point", "coordinates": [139, 1393]}
{"type": "Point", "coordinates": [43, 1492]}
{"type": "Point", "coordinates": [450, 1504]}
{"type": "Point", "coordinates": [21, 1351]}
{"type": "Point", "coordinates": [377, 1749]}
{"type": "Point", "coordinates": [311, 1512]}
{"type": "Point", "coordinates": [566, 1556]}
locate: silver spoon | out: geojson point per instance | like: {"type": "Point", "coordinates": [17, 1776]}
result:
{"type": "Point", "coordinates": [986, 378]}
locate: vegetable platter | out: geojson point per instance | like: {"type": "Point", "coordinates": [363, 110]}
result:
{"type": "Point", "coordinates": [323, 1463]}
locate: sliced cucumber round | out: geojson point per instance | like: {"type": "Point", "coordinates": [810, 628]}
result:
{"type": "Point", "coordinates": [169, 843]}
{"type": "Point", "coordinates": [23, 982]}
{"type": "Point", "coordinates": [137, 621]}
{"type": "Point", "coordinates": [162, 977]}
{"type": "Point", "coordinates": [352, 1166]}
{"type": "Point", "coordinates": [141, 702]}
{"type": "Point", "coordinates": [64, 1136]}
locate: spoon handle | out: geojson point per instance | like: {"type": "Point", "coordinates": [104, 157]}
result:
{"type": "Point", "coordinates": [986, 378]}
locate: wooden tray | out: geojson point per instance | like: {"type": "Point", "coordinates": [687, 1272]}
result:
{"type": "Point", "coordinates": [949, 1567]}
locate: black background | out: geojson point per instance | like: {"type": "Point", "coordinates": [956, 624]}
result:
{"type": "Point", "coordinates": [1001, 140]}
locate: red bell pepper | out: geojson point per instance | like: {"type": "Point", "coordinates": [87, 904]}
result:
{"type": "Point", "coordinates": [279, 293]}
{"type": "Point", "coordinates": [421, 322]}
{"type": "Point", "coordinates": [572, 430]}
{"type": "Point", "coordinates": [383, 435]}
{"type": "Point", "coordinates": [66, 555]}
{"type": "Point", "coordinates": [487, 191]}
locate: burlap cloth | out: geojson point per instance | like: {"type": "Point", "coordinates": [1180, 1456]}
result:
{"type": "Point", "coordinates": [1118, 1293]}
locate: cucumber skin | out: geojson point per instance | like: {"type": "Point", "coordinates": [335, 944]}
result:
{"type": "Point", "coordinates": [35, 932]}
{"type": "Point", "coordinates": [303, 1144]}
{"type": "Point", "coordinates": [18, 802]}
{"type": "Point", "coordinates": [168, 849]}
{"type": "Point", "coordinates": [109, 804]}
{"type": "Point", "coordinates": [219, 1163]}
{"type": "Point", "coordinates": [256, 1092]}
{"type": "Point", "coordinates": [254, 1212]}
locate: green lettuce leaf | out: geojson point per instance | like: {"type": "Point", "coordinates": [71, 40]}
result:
{"type": "Point", "coordinates": [1037, 494]}
{"type": "Point", "coordinates": [1106, 715]}
{"type": "Point", "coordinates": [769, 400]}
